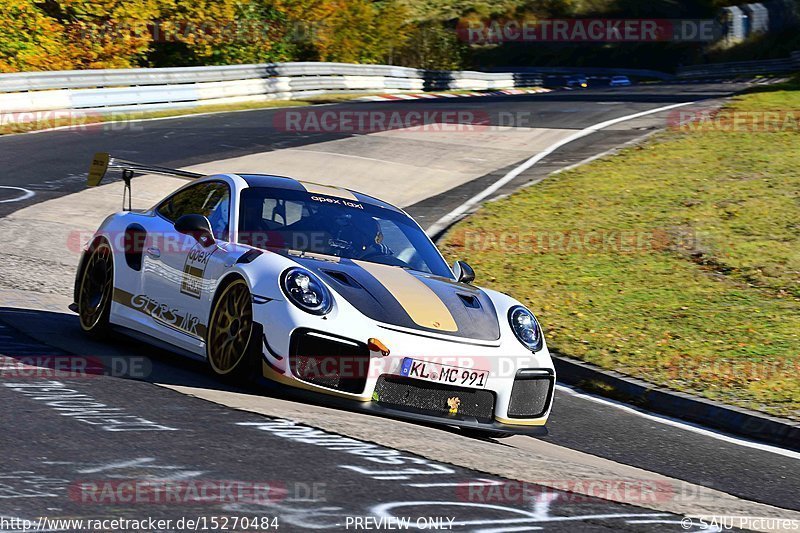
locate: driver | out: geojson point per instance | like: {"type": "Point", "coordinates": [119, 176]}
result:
{"type": "Point", "coordinates": [361, 235]}
{"type": "Point", "coordinates": [372, 244]}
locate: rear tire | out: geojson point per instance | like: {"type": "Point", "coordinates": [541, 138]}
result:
{"type": "Point", "coordinates": [232, 340]}
{"type": "Point", "coordinates": [96, 291]}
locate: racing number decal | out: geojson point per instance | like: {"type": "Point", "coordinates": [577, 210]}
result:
{"type": "Point", "coordinates": [194, 270]}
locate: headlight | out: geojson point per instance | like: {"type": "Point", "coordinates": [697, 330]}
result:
{"type": "Point", "coordinates": [306, 291]}
{"type": "Point", "coordinates": [525, 327]}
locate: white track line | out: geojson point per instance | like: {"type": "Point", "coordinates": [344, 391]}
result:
{"type": "Point", "coordinates": [681, 424]}
{"type": "Point", "coordinates": [24, 196]}
{"type": "Point", "coordinates": [467, 206]}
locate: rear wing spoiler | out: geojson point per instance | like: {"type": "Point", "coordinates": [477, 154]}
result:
{"type": "Point", "coordinates": [102, 162]}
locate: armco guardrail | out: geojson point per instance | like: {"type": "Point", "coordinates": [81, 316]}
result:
{"type": "Point", "coordinates": [106, 91]}
{"type": "Point", "coordinates": [738, 68]}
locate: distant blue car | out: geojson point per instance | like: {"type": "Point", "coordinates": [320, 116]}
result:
{"type": "Point", "coordinates": [620, 81]}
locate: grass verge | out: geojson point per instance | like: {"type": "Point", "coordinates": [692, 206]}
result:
{"type": "Point", "coordinates": [676, 261]}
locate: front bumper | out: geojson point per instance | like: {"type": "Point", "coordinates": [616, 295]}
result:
{"type": "Point", "coordinates": [303, 391]}
{"type": "Point", "coordinates": [457, 421]}
{"type": "Point", "coordinates": [503, 358]}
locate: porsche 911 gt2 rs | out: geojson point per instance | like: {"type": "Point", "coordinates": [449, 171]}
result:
{"type": "Point", "coordinates": [320, 288]}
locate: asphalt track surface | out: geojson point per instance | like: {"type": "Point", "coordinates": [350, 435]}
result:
{"type": "Point", "coordinates": [71, 469]}
{"type": "Point", "coordinates": [48, 454]}
{"type": "Point", "coordinates": [53, 163]}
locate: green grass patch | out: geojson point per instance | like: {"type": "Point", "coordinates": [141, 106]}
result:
{"type": "Point", "coordinates": [677, 261]}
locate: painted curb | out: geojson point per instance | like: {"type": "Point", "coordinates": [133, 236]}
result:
{"type": "Point", "coordinates": [727, 418]}
{"type": "Point", "coordinates": [432, 95]}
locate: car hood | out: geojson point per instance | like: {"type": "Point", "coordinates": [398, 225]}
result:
{"type": "Point", "coordinates": [406, 298]}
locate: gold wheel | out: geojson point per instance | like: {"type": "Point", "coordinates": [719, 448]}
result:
{"type": "Point", "coordinates": [230, 328]}
{"type": "Point", "coordinates": [97, 283]}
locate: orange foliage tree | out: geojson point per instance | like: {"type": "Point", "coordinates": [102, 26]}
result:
{"type": "Point", "coordinates": [29, 39]}
{"type": "Point", "coordinates": [80, 34]}
{"type": "Point", "coordinates": [358, 31]}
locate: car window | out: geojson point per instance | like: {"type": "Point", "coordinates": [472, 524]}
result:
{"type": "Point", "coordinates": [210, 199]}
{"type": "Point", "coordinates": [279, 219]}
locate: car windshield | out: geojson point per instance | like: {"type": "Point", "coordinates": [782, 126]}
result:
{"type": "Point", "coordinates": [281, 219]}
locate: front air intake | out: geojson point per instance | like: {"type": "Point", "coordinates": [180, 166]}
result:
{"type": "Point", "coordinates": [531, 394]}
{"type": "Point", "coordinates": [433, 398]}
{"type": "Point", "coordinates": [329, 360]}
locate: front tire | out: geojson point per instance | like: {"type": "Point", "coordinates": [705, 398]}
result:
{"type": "Point", "coordinates": [230, 341]}
{"type": "Point", "coordinates": [96, 290]}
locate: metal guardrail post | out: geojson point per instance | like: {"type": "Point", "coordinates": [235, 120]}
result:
{"type": "Point", "coordinates": [735, 68]}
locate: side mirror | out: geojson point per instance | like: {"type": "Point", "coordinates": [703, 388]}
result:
{"type": "Point", "coordinates": [463, 272]}
{"type": "Point", "coordinates": [198, 227]}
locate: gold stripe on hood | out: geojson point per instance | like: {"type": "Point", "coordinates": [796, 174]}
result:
{"type": "Point", "coordinates": [420, 302]}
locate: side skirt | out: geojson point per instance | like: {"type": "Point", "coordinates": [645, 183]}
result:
{"type": "Point", "coordinates": [149, 339]}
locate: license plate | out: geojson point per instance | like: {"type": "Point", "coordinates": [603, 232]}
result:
{"type": "Point", "coordinates": [439, 373]}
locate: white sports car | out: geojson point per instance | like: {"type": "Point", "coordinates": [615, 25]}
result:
{"type": "Point", "coordinates": [316, 287]}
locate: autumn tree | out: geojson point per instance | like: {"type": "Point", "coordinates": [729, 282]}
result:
{"type": "Point", "coordinates": [103, 33]}
{"type": "Point", "coordinates": [358, 31]}
{"type": "Point", "coordinates": [29, 39]}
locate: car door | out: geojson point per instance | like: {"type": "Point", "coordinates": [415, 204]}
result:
{"type": "Point", "coordinates": [175, 276]}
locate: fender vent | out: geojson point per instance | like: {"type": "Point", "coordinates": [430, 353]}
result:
{"type": "Point", "coordinates": [135, 237]}
{"type": "Point", "coordinates": [470, 301]}
{"type": "Point", "coordinates": [248, 257]}
{"type": "Point", "coordinates": [342, 278]}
